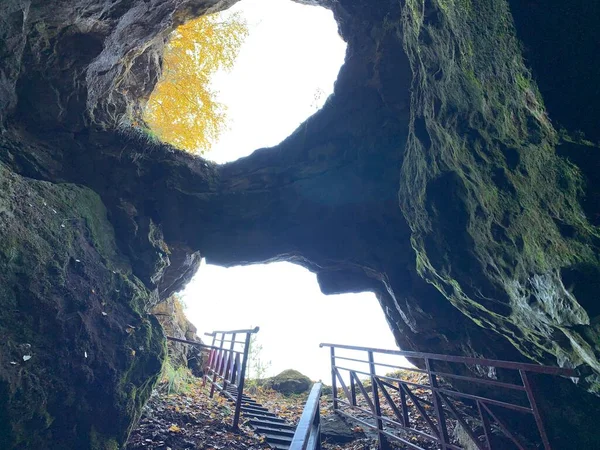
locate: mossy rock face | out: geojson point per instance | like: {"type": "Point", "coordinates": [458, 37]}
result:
{"type": "Point", "coordinates": [79, 356]}
{"type": "Point", "coordinates": [430, 177]}
{"type": "Point", "coordinates": [496, 222]}
{"type": "Point", "coordinates": [290, 382]}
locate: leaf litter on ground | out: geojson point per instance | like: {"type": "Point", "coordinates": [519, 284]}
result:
{"type": "Point", "coordinates": [191, 420]}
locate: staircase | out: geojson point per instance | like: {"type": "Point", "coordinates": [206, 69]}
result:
{"type": "Point", "coordinates": [276, 431]}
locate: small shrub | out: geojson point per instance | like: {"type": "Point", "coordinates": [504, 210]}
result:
{"type": "Point", "coordinates": [175, 380]}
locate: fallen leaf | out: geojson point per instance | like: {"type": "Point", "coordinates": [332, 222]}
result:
{"type": "Point", "coordinates": [174, 429]}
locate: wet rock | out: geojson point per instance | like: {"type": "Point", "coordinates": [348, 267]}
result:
{"type": "Point", "coordinates": [71, 376]}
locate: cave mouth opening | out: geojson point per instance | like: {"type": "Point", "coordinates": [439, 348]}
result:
{"type": "Point", "coordinates": [285, 300]}
{"type": "Point", "coordinates": [277, 70]}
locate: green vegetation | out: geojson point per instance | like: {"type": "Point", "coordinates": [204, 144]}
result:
{"type": "Point", "coordinates": [174, 380]}
{"type": "Point", "coordinates": [494, 212]}
{"type": "Point", "coordinates": [257, 366]}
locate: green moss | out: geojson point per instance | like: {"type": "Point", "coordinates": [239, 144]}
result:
{"type": "Point", "coordinates": [487, 198]}
{"type": "Point", "coordinates": [67, 279]}
{"type": "Point", "coordinates": [100, 442]}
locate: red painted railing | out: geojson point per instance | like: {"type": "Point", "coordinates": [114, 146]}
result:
{"type": "Point", "coordinates": [227, 362]}
{"type": "Point", "coordinates": [479, 414]}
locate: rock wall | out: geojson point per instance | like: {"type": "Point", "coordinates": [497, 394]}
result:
{"type": "Point", "coordinates": [79, 356]}
{"type": "Point", "coordinates": [170, 314]}
{"type": "Point", "coordinates": [434, 177]}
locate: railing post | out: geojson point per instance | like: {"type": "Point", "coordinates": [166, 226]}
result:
{"type": "Point", "coordinates": [308, 432]}
{"type": "Point", "coordinates": [238, 401]}
{"type": "Point", "coordinates": [217, 363]}
{"type": "Point", "coordinates": [405, 418]}
{"type": "Point", "coordinates": [317, 426]}
{"type": "Point", "coordinates": [352, 392]}
{"type": "Point", "coordinates": [334, 392]}
{"type": "Point", "coordinates": [438, 406]}
{"type": "Point", "coordinates": [486, 425]}
{"type": "Point", "coordinates": [535, 409]}
{"type": "Point", "coordinates": [382, 441]}
{"type": "Point", "coordinates": [211, 356]}
{"type": "Point", "coordinates": [229, 362]}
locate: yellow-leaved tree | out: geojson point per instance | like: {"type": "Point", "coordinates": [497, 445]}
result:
{"type": "Point", "coordinates": [182, 109]}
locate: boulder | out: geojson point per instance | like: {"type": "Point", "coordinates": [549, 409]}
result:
{"type": "Point", "coordinates": [171, 316]}
{"type": "Point", "coordinates": [334, 430]}
{"type": "Point", "coordinates": [290, 382]}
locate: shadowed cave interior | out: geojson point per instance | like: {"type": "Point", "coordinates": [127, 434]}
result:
{"type": "Point", "coordinates": [452, 173]}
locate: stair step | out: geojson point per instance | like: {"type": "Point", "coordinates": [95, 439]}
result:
{"type": "Point", "coordinates": [263, 429]}
{"type": "Point", "coordinates": [276, 439]}
{"type": "Point", "coordinates": [262, 415]}
{"type": "Point", "coordinates": [256, 409]}
{"type": "Point", "coordinates": [244, 398]}
{"type": "Point", "coordinates": [279, 446]}
{"type": "Point", "coordinates": [269, 423]}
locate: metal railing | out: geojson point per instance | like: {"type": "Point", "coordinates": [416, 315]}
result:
{"type": "Point", "coordinates": [308, 431]}
{"type": "Point", "coordinates": [474, 407]}
{"type": "Point", "coordinates": [227, 364]}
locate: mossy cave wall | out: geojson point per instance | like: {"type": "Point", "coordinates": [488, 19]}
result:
{"type": "Point", "coordinates": [452, 173]}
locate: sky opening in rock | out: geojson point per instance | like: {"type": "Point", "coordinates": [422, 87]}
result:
{"type": "Point", "coordinates": [285, 71]}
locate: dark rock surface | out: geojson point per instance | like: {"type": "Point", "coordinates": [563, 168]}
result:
{"type": "Point", "coordinates": [78, 356]}
{"type": "Point", "coordinates": [335, 431]}
{"type": "Point", "coordinates": [171, 316]}
{"type": "Point", "coordinates": [433, 177]}
{"type": "Point", "coordinates": [290, 381]}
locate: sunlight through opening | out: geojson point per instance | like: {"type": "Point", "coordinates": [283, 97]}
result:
{"type": "Point", "coordinates": [294, 316]}
{"type": "Point", "coordinates": [285, 71]}
{"type": "Point", "coordinates": [245, 78]}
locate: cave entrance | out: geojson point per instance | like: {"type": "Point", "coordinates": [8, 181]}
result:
{"type": "Point", "coordinates": [280, 72]}
{"type": "Point", "coordinates": [284, 299]}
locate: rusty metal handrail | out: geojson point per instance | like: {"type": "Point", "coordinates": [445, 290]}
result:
{"type": "Point", "coordinates": [308, 431]}
{"type": "Point", "coordinates": [247, 330]}
{"type": "Point", "coordinates": [196, 344]}
{"type": "Point", "coordinates": [444, 399]}
{"type": "Point", "coordinates": [549, 370]}
{"type": "Point", "coordinates": [229, 365]}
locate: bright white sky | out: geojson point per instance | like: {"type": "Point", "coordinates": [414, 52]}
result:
{"type": "Point", "coordinates": [292, 52]}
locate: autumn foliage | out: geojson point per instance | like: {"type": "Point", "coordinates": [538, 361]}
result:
{"type": "Point", "coordinates": [183, 110]}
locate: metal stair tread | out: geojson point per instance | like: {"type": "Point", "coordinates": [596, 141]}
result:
{"type": "Point", "coordinates": [270, 430]}
{"type": "Point", "coordinates": [257, 409]}
{"type": "Point", "coordinates": [277, 439]}
{"type": "Point", "coordinates": [255, 421]}
{"type": "Point", "coordinates": [268, 416]}
{"type": "Point", "coordinates": [279, 446]}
